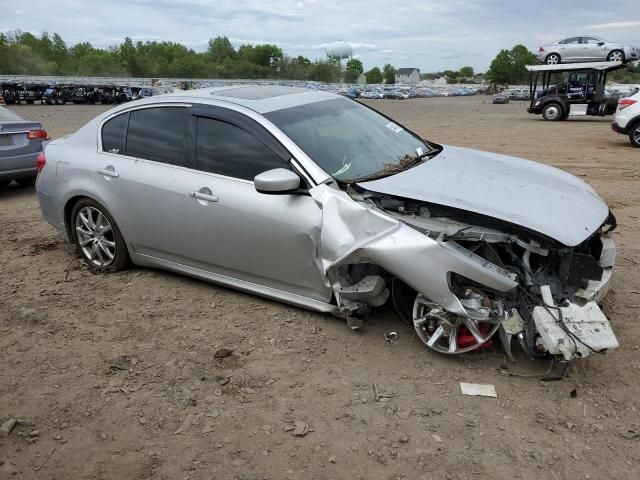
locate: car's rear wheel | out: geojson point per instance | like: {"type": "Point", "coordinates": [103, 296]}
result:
{"type": "Point", "coordinates": [552, 59]}
{"type": "Point", "coordinates": [97, 237]}
{"type": "Point", "coordinates": [634, 134]}
{"type": "Point", "coordinates": [553, 112]}
{"type": "Point", "coordinates": [615, 56]}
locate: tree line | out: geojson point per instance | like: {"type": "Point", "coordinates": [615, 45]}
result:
{"type": "Point", "coordinates": [22, 53]}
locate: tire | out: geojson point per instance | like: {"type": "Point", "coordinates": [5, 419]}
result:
{"type": "Point", "coordinates": [553, 59]}
{"type": "Point", "coordinates": [634, 134]}
{"type": "Point", "coordinates": [4, 184]}
{"type": "Point", "coordinates": [27, 182]}
{"type": "Point", "coordinates": [615, 56]}
{"type": "Point", "coordinates": [553, 112]}
{"type": "Point", "coordinates": [101, 249]}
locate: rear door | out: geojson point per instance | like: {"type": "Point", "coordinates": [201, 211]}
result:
{"type": "Point", "coordinates": [268, 240]}
{"type": "Point", "coordinates": [143, 174]}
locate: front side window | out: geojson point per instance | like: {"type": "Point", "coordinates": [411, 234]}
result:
{"type": "Point", "coordinates": [113, 134]}
{"type": "Point", "coordinates": [158, 134]}
{"type": "Point", "coordinates": [228, 150]}
{"type": "Point", "coordinates": [348, 140]}
{"type": "Point", "coordinates": [591, 40]}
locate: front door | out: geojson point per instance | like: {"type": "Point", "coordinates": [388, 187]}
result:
{"type": "Point", "coordinates": [268, 240]}
{"type": "Point", "coordinates": [570, 50]}
{"type": "Point", "coordinates": [592, 49]}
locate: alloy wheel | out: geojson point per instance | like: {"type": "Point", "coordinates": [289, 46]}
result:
{"type": "Point", "coordinates": [636, 135]}
{"type": "Point", "coordinates": [95, 237]}
{"type": "Point", "coordinates": [447, 333]}
{"type": "Point", "coordinates": [615, 57]}
{"type": "Point", "coordinates": [552, 60]}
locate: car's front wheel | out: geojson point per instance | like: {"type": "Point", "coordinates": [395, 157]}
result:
{"type": "Point", "coordinates": [634, 134]}
{"type": "Point", "coordinates": [97, 237]}
{"type": "Point", "coordinates": [552, 112]}
{"type": "Point", "coordinates": [615, 56]}
{"type": "Point", "coordinates": [552, 59]}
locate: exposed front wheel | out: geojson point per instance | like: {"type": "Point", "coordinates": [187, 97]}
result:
{"type": "Point", "coordinates": [97, 237]}
{"type": "Point", "coordinates": [615, 56]}
{"type": "Point", "coordinates": [552, 112]}
{"type": "Point", "coordinates": [552, 59]}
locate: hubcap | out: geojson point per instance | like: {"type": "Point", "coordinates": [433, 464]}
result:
{"type": "Point", "coordinates": [447, 333]}
{"type": "Point", "coordinates": [552, 60]}
{"type": "Point", "coordinates": [95, 237]}
{"type": "Point", "coordinates": [552, 112]}
{"type": "Point", "coordinates": [616, 57]}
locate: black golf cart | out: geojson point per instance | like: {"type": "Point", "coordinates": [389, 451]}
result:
{"type": "Point", "coordinates": [574, 89]}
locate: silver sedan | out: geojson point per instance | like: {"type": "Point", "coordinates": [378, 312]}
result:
{"type": "Point", "coordinates": [319, 201]}
{"type": "Point", "coordinates": [586, 49]}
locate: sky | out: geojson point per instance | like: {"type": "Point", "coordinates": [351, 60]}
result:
{"type": "Point", "coordinates": [433, 35]}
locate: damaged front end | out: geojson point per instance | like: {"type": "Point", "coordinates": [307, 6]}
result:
{"type": "Point", "coordinates": [462, 278]}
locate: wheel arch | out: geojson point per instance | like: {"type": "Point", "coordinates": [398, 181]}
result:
{"type": "Point", "coordinates": [70, 203]}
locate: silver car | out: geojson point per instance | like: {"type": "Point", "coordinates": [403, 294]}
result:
{"type": "Point", "coordinates": [21, 141]}
{"type": "Point", "coordinates": [316, 200]}
{"type": "Point", "coordinates": [586, 49]}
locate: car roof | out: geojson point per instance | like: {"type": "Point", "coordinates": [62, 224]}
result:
{"type": "Point", "coordinates": [260, 98]}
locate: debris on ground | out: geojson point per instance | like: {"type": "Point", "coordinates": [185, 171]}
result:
{"type": "Point", "coordinates": [631, 432]}
{"type": "Point", "coordinates": [391, 337]}
{"type": "Point", "coordinates": [7, 426]}
{"type": "Point", "coordinates": [300, 429]}
{"type": "Point", "coordinates": [379, 395]}
{"type": "Point", "coordinates": [223, 352]}
{"type": "Point", "coordinates": [478, 390]}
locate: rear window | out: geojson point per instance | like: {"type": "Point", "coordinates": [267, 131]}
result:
{"type": "Point", "coordinates": [7, 115]}
{"type": "Point", "coordinates": [113, 133]}
{"type": "Point", "coordinates": [157, 134]}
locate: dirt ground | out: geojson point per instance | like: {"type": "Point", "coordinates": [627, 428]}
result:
{"type": "Point", "coordinates": [115, 377]}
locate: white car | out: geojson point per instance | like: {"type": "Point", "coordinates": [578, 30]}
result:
{"type": "Point", "coordinates": [627, 119]}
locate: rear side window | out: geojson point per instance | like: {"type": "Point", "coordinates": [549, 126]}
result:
{"type": "Point", "coordinates": [228, 150]}
{"type": "Point", "coordinates": [113, 133]}
{"type": "Point", "coordinates": [158, 134]}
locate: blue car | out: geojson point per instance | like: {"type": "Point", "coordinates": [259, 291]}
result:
{"type": "Point", "coordinates": [21, 142]}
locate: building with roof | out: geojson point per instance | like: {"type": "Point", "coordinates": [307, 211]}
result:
{"type": "Point", "coordinates": [408, 75]}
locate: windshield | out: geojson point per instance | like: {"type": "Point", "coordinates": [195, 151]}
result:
{"type": "Point", "coordinates": [348, 140]}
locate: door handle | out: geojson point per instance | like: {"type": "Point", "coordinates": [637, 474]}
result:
{"type": "Point", "coordinates": [108, 172]}
{"type": "Point", "coordinates": [203, 196]}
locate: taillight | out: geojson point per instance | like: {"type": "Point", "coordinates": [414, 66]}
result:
{"type": "Point", "coordinates": [626, 102]}
{"type": "Point", "coordinates": [541, 49]}
{"type": "Point", "coordinates": [38, 134]}
{"type": "Point", "coordinates": [41, 161]}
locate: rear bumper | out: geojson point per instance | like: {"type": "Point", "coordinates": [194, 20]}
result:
{"type": "Point", "coordinates": [52, 211]}
{"type": "Point", "coordinates": [617, 128]}
{"type": "Point", "coordinates": [18, 166]}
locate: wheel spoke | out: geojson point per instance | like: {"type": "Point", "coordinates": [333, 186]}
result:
{"type": "Point", "coordinates": [453, 340]}
{"type": "Point", "coordinates": [85, 221]}
{"type": "Point", "coordinates": [85, 242]}
{"type": "Point", "coordinates": [100, 257]}
{"type": "Point", "coordinates": [435, 336]}
{"type": "Point", "coordinates": [106, 251]}
{"type": "Point", "coordinates": [473, 328]}
{"type": "Point", "coordinates": [100, 218]}
{"type": "Point", "coordinates": [108, 243]}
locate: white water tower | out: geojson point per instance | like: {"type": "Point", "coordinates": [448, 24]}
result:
{"type": "Point", "coordinates": [338, 51]}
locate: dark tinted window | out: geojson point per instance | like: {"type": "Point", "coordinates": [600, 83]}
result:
{"type": "Point", "coordinates": [570, 40]}
{"type": "Point", "coordinates": [227, 150]}
{"type": "Point", "coordinates": [157, 134]}
{"type": "Point", "coordinates": [113, 134]}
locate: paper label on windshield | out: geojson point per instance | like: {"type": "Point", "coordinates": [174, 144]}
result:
{"type": "Point", "coordinates": [393, 127]}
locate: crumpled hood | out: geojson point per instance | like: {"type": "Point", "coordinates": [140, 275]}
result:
{"type": "Point", "coordinates": [529, 194]}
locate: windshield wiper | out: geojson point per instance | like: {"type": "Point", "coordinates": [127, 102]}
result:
{"type": "Point", "coordinates": [389, 169]}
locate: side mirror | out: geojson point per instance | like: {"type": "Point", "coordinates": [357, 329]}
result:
{"type": "Point", "coordinates": [600, 44]}
{"type": "Point", "coordinates": [278, 181]}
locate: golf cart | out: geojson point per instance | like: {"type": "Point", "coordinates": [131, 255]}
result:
{"type": "Point", "coordinates": [577, 89]}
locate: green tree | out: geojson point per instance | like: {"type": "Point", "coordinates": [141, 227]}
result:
{"type": "Point", "coordinates": [389, 73]}
{"type": "Point", "coordinates": [466, 72]}
{"type": "Point", "coordinates": [509, 65]}
{"type": "Point", "coordinates": [355, 65]}
{"type": "Point", "coordinates": [220, 48]}
{"type": "Point", "coordinates": [350, 76]}
{"type": "Point", "coordinates": [374, 75]}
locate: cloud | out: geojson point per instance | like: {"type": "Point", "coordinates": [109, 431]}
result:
{"type": "Point", "coordinates": [616, 25]}
{"type": "Point", "coordinates": [431, 34]}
